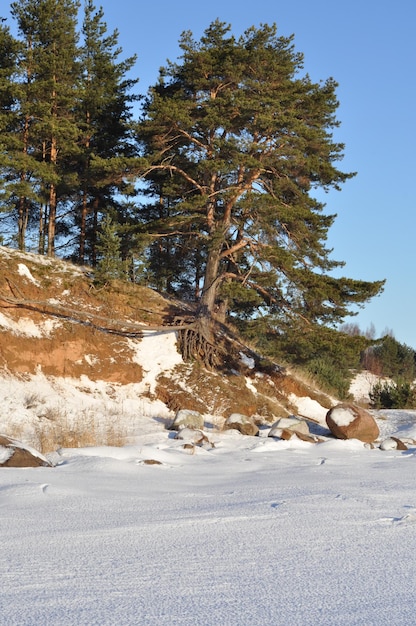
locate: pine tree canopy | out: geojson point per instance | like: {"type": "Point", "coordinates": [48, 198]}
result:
{"type": "Point", "coordinates": [237, 139]}
{"type": "Point", "coordinates": [66, 127]}
{"type": "Point", "coordinates": [213, 193]}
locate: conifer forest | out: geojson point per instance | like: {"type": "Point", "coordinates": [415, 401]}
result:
{"type": "Point", "coordinates": [203, 188]}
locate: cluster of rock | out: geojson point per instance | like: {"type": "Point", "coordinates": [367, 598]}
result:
{"type": "Point", "coordinates": [344, 421]}
{"type": "Point", "coordinates": [190, 429]}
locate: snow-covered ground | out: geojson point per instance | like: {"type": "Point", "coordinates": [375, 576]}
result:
{"type": "Point", "coordinates": [251, 531]}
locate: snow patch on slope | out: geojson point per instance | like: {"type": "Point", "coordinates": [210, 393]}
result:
{"type": "Point", "coordinates": [25, 271]}
{"type": "Point", "coordinates": [361, 386]}
{"type": "Point", "coordinates": [26, 327]}
{"type": "Point", "coordinates": [156, 352]}
{"type": "Point", "coordinates": [309, 408]}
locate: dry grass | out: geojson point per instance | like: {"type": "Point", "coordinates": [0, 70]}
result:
{"type": "Point", "coordinates": [301, 384]}
{"type": "Point", "coordinates": [55, 429]}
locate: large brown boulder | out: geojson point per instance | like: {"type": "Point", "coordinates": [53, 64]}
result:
{"type": "Point", "coordinates": [16, 454]}
{"type": "Point", "coordinates": [347, 421]}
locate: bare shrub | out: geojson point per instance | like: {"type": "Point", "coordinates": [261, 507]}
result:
{"type": "Point", "coordinates": [51, 413]}
{"type": "Point", "coordinates": [32, 400]}
{"type": "Point", "coordinates": [56, 429]}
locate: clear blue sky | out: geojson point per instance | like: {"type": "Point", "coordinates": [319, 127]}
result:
{"type": "Point", "coordinates": [369, 48]}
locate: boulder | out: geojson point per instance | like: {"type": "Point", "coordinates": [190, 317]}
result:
{"type": "Point", "coordinates": [244, 424]}
{"type": "Point", "coordinates": [194, 437]}
{"type": "Point", "coordinates": [14, 453]}
{"type": "Point", "coordinates": [292, 424]}
{"type": "Point", "coordinates": [290, 434]}
{"type": "Point", "coordinates": [348, 421]}
{"type": "Point", "coordinates": [185, 418]}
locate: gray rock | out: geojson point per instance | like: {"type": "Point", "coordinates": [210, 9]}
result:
{"type": "Point", "coordinates": [292, 423]}
{"type": "Point", "coordinates": [194, 437]}
{"type": "Point", "coordinates": [244, 424]}
{"type": "Point", "coordinates": [185, 418]}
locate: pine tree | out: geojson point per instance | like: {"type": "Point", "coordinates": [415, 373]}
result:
{"type": "Point", "coordinates": [19, 168]}
{"type": "Point", "coordinates": [391, 358]}
{"type": "Point", "coordinates": [8, 56]}
{"type": "Point", "coordinates": [110, 265]}
{"type": "Point", "coordinates": [8, 118]}
{"type": "Point", "coordinates": [49, 65]}
{"type": "Point", "coordinates": [246, 137]}
{"type": "Point", "coordinates": [105, 119]}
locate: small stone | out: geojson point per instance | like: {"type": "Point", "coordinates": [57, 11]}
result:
{"type": "Point", "coordinates": [393, 443]}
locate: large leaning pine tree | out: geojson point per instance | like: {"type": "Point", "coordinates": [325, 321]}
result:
{"type": "Point", "coordinates": [242, 138]}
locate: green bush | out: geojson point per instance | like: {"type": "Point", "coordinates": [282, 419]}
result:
{"type": "Point", "coordinates": [329, 376]}
{"type": "Point", "coordinates": [399, 394]}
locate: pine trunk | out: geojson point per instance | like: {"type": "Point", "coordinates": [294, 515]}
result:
{"type": "Point", "coordinates": [94, 233]}
{"type": "Point", "coordinates": [22, 219]}
{"type": "Point", "coordinates": [41, 242]}
{"type": "Point", "coordinates": [83, 228]}
{"type": "Point", "coordinates": [209, 293]}
{"type": "Point", "coordinates": [22, 210]}
{"type": "Point", "coordinates": [51, 221]}
{"type": "Point", "coordinates": [211, 279]}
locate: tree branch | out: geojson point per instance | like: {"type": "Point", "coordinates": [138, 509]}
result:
{"type": "Point", "coordinates": [128, 329]}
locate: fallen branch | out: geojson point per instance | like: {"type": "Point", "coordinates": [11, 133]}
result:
{"type": "Point", "coordinates": [109, 325]}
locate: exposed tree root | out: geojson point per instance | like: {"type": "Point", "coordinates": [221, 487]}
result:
{"type": "Point", "coordinates": [195, 345]}
{"type": "Point", "coordinates": [200, 339]}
